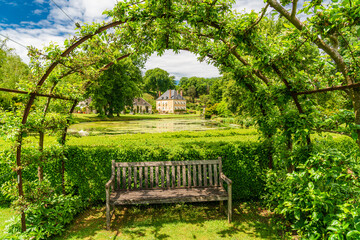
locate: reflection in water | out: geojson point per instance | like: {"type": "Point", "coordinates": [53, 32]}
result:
{"type": "Point", "coordinates": [147, 126]}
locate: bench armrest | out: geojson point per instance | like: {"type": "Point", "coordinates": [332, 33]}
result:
{"type": "Point", "coordinates": [109, 183]}
{"type": "Point", "coordinates": [225, 178]}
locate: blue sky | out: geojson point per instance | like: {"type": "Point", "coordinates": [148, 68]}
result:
{"type": "Point", "coordinates": [21, 12]}
{"type": "Point", "coordinates": [39, 22]}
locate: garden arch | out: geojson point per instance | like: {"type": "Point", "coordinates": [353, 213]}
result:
{"type": "Point", "coordinates": [210, 29]}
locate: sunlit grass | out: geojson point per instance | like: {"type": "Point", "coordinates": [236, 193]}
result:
{"type": "Point", "coordinates": [149, 139]}
{"type": "Point", "coordinates": [5, 214]}
{"type": "Point", "coordinates": [175, 221]}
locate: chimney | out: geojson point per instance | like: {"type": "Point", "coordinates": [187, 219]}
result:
{"type": "Point", "coordinates": [159, 93]}
{"type": "Point", "coordinates": [181, 93]}
{"type": "Point", "coordinates": [170, 94]}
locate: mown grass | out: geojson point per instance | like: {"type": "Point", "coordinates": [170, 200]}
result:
{"type": "Point", "coordinates": [149, 139]}
{"type": "Point", "coordinates": [5, 214]}
{"type": "Point", "coordinates": [175, 221]}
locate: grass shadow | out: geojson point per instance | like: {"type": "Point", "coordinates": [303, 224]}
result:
{"type": "Point", "coordinates": [166, 221]}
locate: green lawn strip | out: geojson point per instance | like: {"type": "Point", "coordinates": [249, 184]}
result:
{"type": "Point", "coordinates": [148, 139]}
{"type": "Point", "coordinates": [5, 214]}
{"type": "Point", "coordinates": [166, 139]}
{"type": "Point", "coordinates": [174, 221]}
{"type": "Point", "coordinates": [95, 117]}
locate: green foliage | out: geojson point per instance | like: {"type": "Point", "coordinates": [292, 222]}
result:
{"type": "Point", "coordinates": [116, 88]}
{"type": "Point", "coordinates": [46, 219]}
{"type": "Point", "coordinates": [88, 169]}
{"type": "Point", "coordinates": [320, 198]}
{"type": "Point", "coordinates": [12, 70]}
{"type": "Point", "coordinates": [157, 80]}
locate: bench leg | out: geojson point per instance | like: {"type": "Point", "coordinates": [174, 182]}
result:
{"type": "Point", "coordinates": [229, 203]}
{"type": "Point", "coordinates": [108, 217]}
{"type": "Point", "coordinates": [221, 206]}
{"type": "Point", "coordinates": [229, 212]}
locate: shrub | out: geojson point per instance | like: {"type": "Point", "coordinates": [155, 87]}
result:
{"type": "Point", "coordinates": [46, 219]}
{"type": "Point", "coordinates": [88, 169]}
{"type": "Point", "coordinates": [320, 199]}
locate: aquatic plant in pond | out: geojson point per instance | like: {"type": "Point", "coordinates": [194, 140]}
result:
{"type": "Point", "coordinates": [148, 126]}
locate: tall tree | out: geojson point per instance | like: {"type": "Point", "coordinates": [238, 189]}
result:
{"type": "Point", "coordinates": [158, 79]}
{"type": "Point", "coordinates": [116, 88]}
{"type": "Point", "coordinates": [12, 69]}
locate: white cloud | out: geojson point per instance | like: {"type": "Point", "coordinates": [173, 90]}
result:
{"type": "Point", "coordinates": [184, 64]}
{"type": "Point", "coordinates": [57, 26]}
{"type": "Point", "coordinates": [39, 1]}
{"type": "Point", "coordinates": [38, 11]}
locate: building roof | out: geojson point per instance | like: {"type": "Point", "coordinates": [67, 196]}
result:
{"type": "Point", "coordinates": [174, 95]}
{"type": "Point", "coordinates": [140, 102]}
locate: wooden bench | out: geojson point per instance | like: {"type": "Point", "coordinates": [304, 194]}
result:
{"type": "Point", "coordinates": [166, 182]}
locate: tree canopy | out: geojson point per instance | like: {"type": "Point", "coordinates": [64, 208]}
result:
{"type": "Point", "coordinates": [12, 72]}
{"type": "Point", "coordinates": [158, 80]}
{"type": "Point", "coordinates": [116, 88]}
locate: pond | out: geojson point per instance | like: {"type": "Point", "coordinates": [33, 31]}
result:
{"type": "Point", "coordinates": [147, 126]}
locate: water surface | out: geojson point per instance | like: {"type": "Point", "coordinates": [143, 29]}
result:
{"type": "Point", "coordinates": [147, 126]}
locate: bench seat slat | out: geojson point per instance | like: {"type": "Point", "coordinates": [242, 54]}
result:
{"type": "Point", "coordinates": [178, 177]}
{"type": "Point", "coordinates": [168, 195]}
{"type": "Point", "coordinates": [162, 177]}
{"type": "Point", "coordinates": [189, 176]}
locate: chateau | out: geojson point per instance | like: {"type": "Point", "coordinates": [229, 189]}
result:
{"type": "Point", "coordinates": [170, 102]}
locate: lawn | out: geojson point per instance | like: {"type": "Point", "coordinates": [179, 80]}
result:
{"type": "Point", "coordinates": [5, 214]}
{"type": "Point", "coordinates": [174, 221]}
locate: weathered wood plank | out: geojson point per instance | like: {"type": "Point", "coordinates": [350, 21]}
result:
{"type": "Point", "coordinates": [178, 177]}
{"type": "Point", "coordinates": [205, 175]}
{"type": "Point", "coordinates": [124, 178]}
{"type": "Point", "coordinates": [151, 177]}
{"type": "Point", "coordinates": [189, 175]}
{"type": "Point", "coordinates": [184, 176]}
{"type": "Point", "coordinates": [220, 171]}
{"type": "Point", "coordinates": [210, 175]}
{"type": "Point", "coordinates": [156, 176]}
{"type": "Point", "coordinates": [194, 175]}
{"type": "Point", "coordinates": [129, 178]}
{"type": "Point", "coordinates": [146, 177]}
{"type": "Point", "coordinates": [168, 195]}
{"type": "Point", "coordinates": [135, 177]}
{"type": "Point", "coordinates": [199, 175]}
{"type": "Point", "coordinates": [216, 177]}
{"type": "Point", "coordinates": [141, 177]}
{"type": "Point", "coordinates": [168, 176]}
{"type": "Point", "coordinates": [162, 177]}
{"type": "Point", "coordinates": [165, 163]}
{"type": "Point", "coordinates": [172, 176]}
{"type": "Point", "coordinates": [118, 179]}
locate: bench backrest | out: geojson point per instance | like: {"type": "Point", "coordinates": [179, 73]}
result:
{"type": "Point", "coordinates": [174, 174]}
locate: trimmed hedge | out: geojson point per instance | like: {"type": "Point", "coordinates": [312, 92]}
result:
{"type": "Point", "coordinates": [88, 169]}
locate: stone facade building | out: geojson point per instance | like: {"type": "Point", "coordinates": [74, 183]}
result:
{"type": "Point", "coordinates": [171, 102]}
{"type": "Point", "coordinates": [141, 106]}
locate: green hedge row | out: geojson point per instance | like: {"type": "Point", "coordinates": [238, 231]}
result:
{"type": "Point", "coordinates": [87, 169]}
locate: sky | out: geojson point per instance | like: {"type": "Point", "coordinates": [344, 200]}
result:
{"type": "Point", "coordinates": [39, 22]}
